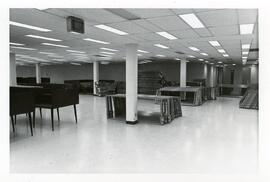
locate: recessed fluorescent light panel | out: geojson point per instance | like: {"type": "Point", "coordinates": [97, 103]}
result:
{"type": "Point", "coordinates": [245, 46]}
{"type": "Point", "coordinates": [110, 29]}
{"type": "Point", "coordinates": [49, 53]}
{"type": "Point", "coordinates": [204, 54]}
{"type": "Point", "coordinates": [55, 45]}
{"type": "Point", "coordinates": [107, 52]}
{"type": "Point", "coordinates": [77, 64]}
{"type": "Point", "coordinates": [201, 59]}
{"type": "Point", "coordinates": [245, 53]}
{"type": "Point", "coordinates": [29, 26]}
{"type": "Point", "coordinates": [161, 46]}
{"type": "Point", "coordinates": [96, 41]}
{"type": "Point", "coordinates": [108, 49]}
{"type": "Point", "coordinates": [219, 62]}
{"type": "Point", "coordinates": [177, 59]}
{"type": "Point", "coordinates": [214, 43]}
{"type": "Point", "coordinates": [16, 44]}
{"type": "Point", "coordinates": [24, 48]}
{"type": "Point", "coordinates": [160, 55]}
{"type": "Point", "coordinates": [194, 48]}
{"type": "Point", "coordinates": [225, 55]}
{"type": "Point", "coordinates": [44, 38]}
{"type": "Point", "coordinates": [221, 50]}
{"type": "Point", "coordinates": [190, 56]}
{"type": "Point", "coordinates": [74, 51]}
{"type": "Point", "coordinates": [167, 35]}
{"type": "Point", "coordinates": [192, 20]}
{"type": "Point", "coordinates": [142, 51]}
{"type": "Point", "coordinates": [246, 29]}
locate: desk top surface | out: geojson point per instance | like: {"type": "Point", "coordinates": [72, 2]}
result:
{"type": "Point", "coordinates": [143, 96]}
{"type": "Point", "coordinates": [181, 89]}
{"type": "Point", "coordinates": [233, 86]}
{"type": "Point", "coordinates": [27, 86]}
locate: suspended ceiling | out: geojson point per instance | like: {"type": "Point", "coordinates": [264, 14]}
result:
{"type": "Point", "coordinates": [220, 24]}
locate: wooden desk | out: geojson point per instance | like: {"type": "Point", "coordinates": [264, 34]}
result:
{"type": "Point", "coordinates": [197, 91]}
{"type": "Point", "coordinates": [170, 107]}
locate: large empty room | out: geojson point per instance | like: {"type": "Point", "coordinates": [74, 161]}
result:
{"type": "Point", "coordinates": [133, 90]}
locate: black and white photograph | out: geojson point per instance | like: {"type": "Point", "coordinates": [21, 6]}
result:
{"type": "Point", "coordinates": [127, 90]}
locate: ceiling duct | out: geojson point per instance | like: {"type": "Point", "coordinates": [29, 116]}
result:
{"type": "Point", "coordinates": [254, 50]}
{"type": "Point", "coordinates": [178, 52]}
{"type": "Point", "coordinates": [123, 13]}
{"type": "Point", "coordinates": [100, 56]}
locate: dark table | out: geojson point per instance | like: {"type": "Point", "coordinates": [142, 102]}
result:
{"type": "Point", "coordinates": [170, 107]}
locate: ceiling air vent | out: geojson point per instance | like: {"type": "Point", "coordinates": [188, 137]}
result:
{"type": "Point", "coordinates": [254, 50]}
{"type": "Point", "coordinates": [178, 52]}
{"type": "Point", "coordinates": [100, 56]}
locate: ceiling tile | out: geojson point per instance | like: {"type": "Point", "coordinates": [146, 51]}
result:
{"type": "Point", "coordinates": [98, 15]}
{"type": "Point", "coordinates": [147, 25]}
{"type": "Point", "coordinates": [203, 32]}
{"type": "Point", "coordinates": [227, 30]}
{"type": "Point", "coordinates": [149, 13]}
{"type": "Point", "coordinates": [129, 27]}
{"type": "Point", "coordinates": [182, 11]}
{"type": "Point", "coordinates": [183, 34]}
{"type": "Point", "coordinates": [219, 17]}
{"type": "Point", "coordinates": [169, 23]}
{"type": "Point", "coordinates": [247, 16]}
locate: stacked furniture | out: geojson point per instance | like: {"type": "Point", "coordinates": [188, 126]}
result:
{"type": "Point", "coordinates": [150, 81]}
{"type": "Point", "coordinates": [105, 87]}
{"type": "Point", "coordinates": [227, 89]}
{"type": "Point", "coordinates": [196, 91]}
{"type": "Point", "coordinates": [170, 107]}
{"type": "Point", "coordinates": [84, 86]}
{"type": "Point", "coordinates": [121, 87]}
{"type": "Point", "coordinates": [31, 80]}
{"type": "Point", "coordinates": [250, 98]}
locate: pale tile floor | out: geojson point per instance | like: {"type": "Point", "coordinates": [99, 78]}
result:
{"type": "Point", "coordinates": [216, 137]}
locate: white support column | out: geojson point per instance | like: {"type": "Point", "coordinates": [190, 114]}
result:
{"type": "Point", "coordinates": [254, 74]}
{"type": "Point", "coordinates": [12, 70]}
{"type": "Point", "coordinates": [212, 80]}
{"type": "Point", "coordinates": [95, 75]}
{"type": "Point", "coordinates": [205, 73]}
{"type": "Point", "coordinates": [131, 83]}
{"type": "Point", "coordinates": [212, 76]}
{"type": "Point", "coordinates": [183, 73]}
{"type": "Point", "coordinates": [38, 73]}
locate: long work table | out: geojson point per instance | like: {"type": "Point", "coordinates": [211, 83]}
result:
{"type": "Point", "coordinates": [170, 107]}
{"type": "Point", "coordinates": [197, 93]}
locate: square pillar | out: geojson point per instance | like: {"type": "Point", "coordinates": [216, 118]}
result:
{"type": "Point", "coordinates": [12, 70]}
{"type": "Point", "coordinates": [254, 74]}
{"type": "Point", "coordinates": [131, 83]}
{"type": "Point", "coordinates": [38, 73]}
{"type": "Point", "coordinates": [183, 73]}
{"type": "Point", "coordinates": [95, 75]}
